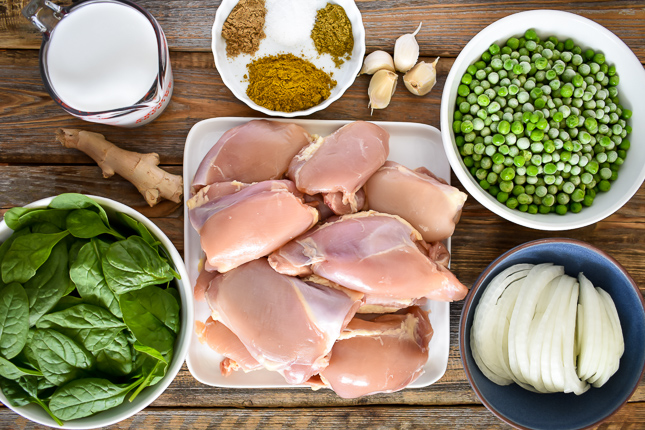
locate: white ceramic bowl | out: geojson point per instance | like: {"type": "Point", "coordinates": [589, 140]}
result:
{"type": "Point", "coordinates": [231, 72]}
{"type": "Point", "coordinates": [148, 395]}
{"type": "Point", "coordinates": [631, 90]}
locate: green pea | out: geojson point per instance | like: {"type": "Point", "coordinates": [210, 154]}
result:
{"type": "Point", "coordinates": [463, 90]}
{"type": "Point", "coordinates": [502, 197]}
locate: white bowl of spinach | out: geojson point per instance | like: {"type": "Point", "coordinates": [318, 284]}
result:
{"type": "Point", "coordinates": [95, 311]}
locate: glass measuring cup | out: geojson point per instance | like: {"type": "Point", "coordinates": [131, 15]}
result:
{"type": "Point", "coordinates": [123, 77]}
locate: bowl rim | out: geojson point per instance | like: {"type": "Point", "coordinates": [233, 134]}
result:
{"type": "Point", "coordinates": [228, 81]}
{"type": "Point", "coordinates": [468, 301]}
{"type": "Point", "coordinates": [187, 318]}
{"type": "Point", "coordinates": [464, 176]}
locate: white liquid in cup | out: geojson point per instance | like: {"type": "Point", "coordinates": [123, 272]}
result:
{"type": "Point", "coordinates": [102, 56]}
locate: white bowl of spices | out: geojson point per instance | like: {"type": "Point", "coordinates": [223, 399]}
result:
{"type": "Point", "coordinates": [288, 57]}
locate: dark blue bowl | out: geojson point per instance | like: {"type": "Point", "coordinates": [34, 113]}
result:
{"type": "Point", "coordinates": [527, 410]}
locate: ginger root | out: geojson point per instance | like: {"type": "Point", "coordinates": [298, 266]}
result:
{"type": "Point", "coordinates": [140, 169]}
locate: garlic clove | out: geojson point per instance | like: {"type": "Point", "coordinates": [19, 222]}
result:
{"type": "Point", "coordinates": [376, 61]}
{"type": "Point", "coordinates": [406, 51]}
{"type": "Point", "coordinates": [381, 88]}
{"type": "Point", "coordinates": [421, 78]}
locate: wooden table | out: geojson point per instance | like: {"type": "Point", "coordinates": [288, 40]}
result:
{"type": "Point", "coordinates": [33, 166]}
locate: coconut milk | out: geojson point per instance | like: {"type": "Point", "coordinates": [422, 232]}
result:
{"type": "Point", "coordinates": [102, 56]}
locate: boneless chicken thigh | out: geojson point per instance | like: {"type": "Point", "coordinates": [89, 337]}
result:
{"type": "Point", "coordinates": [287, 324]}
{"type": "Point", "coordinates": [222, 340]}
{"type": "Point", "coordinates": [428, 203]}
{"type": "Point", "coordinates": [256, 151]}
{"type": "Point", "coordinates": [374, 253]}
{"type": "Point", "coordinates": [379, 356]}
{"type": "Point", "coordinates": [341, 163]}
{"type": "Point", "coordinates": [240, 227]}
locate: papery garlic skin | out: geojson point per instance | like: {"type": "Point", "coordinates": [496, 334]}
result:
{"type": "Point", "coordinates": [381, 88]}
{"type": "Point", "coordinates": [377, 60]}
{"type": "Point", "coordinates": [421, 78]}
{"type": "Point", "coordinates": [406, 51]}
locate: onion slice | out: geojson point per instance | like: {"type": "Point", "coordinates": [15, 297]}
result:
{"type": "Point", "coordinates": [591, 330]}
{"type": "Point", "coordinates": [535, 282]}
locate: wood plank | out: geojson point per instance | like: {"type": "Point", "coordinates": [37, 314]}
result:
{"type": "Point", "coordinates": [29, 117]}
{"type": "Point", "coordinates": [449, 25]}
{"type": "Point", "coordinates": [631, 416]}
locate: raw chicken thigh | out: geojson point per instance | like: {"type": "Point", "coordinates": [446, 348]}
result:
{"type": "Point", "coordinates": [374, 253]}
{"type": "Point", "coordinates": [249, 224]}
{"type": "Point", "coordinates": [341, 163]}
{"type": "Point", "coordinates": [428, 203]}
{"type": "Point", "coordinates": [223, 341]}
{"type": "Point", "coordinates": [379, 356]}
{"type": "Point", "coordinates": [287, 324]}
{"type": "Point", "coordinates": [256, 151]}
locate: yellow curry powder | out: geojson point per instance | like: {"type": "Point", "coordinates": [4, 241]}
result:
{"type": "Point", "coordinates": [287, 83]}
{"type": "Point", "coordinates": [332, 33]}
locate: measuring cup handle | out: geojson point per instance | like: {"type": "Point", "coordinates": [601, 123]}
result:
{"type": "Point", "coordinates": [43, 14]}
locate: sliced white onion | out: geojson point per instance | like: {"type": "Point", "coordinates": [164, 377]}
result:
{"type": "Point", "coordinates": [571, 381]}
{"type": "Point", "coordinates": [485, 323]}
{"type": "Point", "coordinates": [506, 302]}
{"type": "Point", "coordinates": [557, 362]}
{"type": "Point", "coordinates": [535, 282]}
{"type": "Point", "coordinates": [542, 318]}
{"type": "Point", "coordinates": [591, 342]}
{"type": "Point", "coordinates": [541, 329]}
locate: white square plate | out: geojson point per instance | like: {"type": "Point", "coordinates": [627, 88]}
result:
{"type": "Point", "coordinates": [413, 145]}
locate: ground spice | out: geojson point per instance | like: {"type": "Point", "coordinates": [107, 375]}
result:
{"type": "Point", "coordinates": [244, 27]}
{"type": "Point", "coordinates": [287, 83]}
{"type": "Point", "coordinates": [332, 33]}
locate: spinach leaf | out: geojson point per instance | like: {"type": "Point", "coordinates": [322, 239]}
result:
{"type": "Point", "coordinates": [87, 274]}
{"type": "Point", "coordinates": [14, 320]}
{"type": "Point", "coordinates": [74, 250]}
{"type": "Point", "coordinates": [18, 396]}
{"type": "Point", "coordinates": [4, 247]}
{"type": "Point", "coordinates": [66, 303]}
{"type": "Point", "coordinates": [60, 359]}
{"type": "Point", "coordinates": [149, 351]}
{"type": "Point", "coordinates": [152, 315]}
{"type": "Point", "coordinates": [27, 356]}
{"type": "Point", "coordinates": [35, 385]}
{"type": "Point", "coordinates": [152, 372]}
{"type": "Point", "coordinates": [86, 224]}
{"type": "Point", "coordinates": [14, 392]}
{"type": "Point", "coordinates": [132, 264]}
{"type": "Point", "coordinates": [26, 254]}
{"type": "Point", "coordinates": [11, 371]}
{"type": "Point", "coordinates": [46, 228]}
{"type": "Point", "coordinates": [92, 326]}
{"type": "Point", "coordinates": [138, 228]}
{"type": "Point", "coordinates": [116, 359]}
{"type": "Point", "coordinates": [49, 284]}
{"type": "Point", "coordinates": [17, 218]}
{"type": "Point", "coordinates": [78, 201]}
{"type": "Point", "coordinates": [84, 397]}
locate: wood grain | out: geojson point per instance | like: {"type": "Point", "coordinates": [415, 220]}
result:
{"type": "Point", "coordinates": [629, 417]}
{"type": "Point", "coordinates": [448, 25]}
{"type": "Point", "coordinates": [34, 166]}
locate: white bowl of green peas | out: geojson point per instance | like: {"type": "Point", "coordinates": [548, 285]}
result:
{"type": "Point", "coordinates": [538, 116]}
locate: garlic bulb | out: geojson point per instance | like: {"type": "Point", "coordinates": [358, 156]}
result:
{"type": "Point", "coordinates": [376, 61]}
{"type": "Point", "coordinates": [406, 51]}
{"type": "Point", "coordinates": [421, 78]}
{"type": "Point", "coordinates": [382, 86]}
